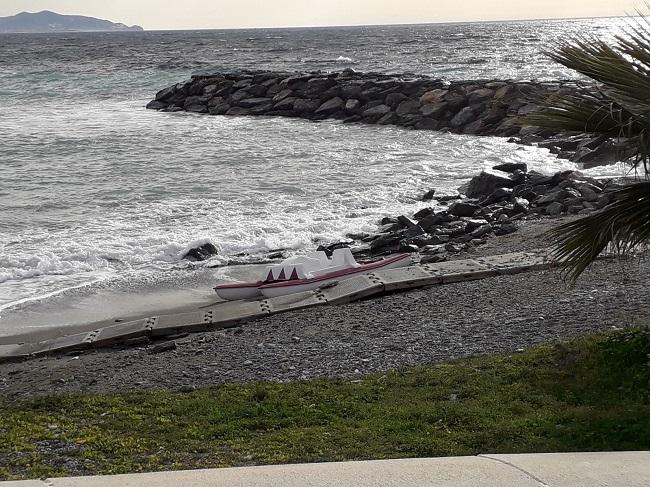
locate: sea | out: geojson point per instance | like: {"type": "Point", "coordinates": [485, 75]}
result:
{"type": "Point", "coordinates": [100, 198]}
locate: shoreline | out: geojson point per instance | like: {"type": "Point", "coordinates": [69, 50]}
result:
{"type": "Point", "coordinates": [452, 228]}
{"type": "Point", "coordinates": [498, 314]}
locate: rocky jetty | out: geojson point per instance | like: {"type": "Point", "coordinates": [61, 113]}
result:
{"type": "Point", "coordinates": [490, 205]}
{"type": "Point", "coordinates": [480, 107]}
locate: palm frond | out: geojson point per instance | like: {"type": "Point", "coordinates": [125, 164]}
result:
{"type": "Point", "coordinates": [584, 111]}
{"type": "Point", "coordinates": [623, 226]}
{"type": "Point", "coordinates": [618, 104]}
{"type": "Point", "coordinates": [620, 68]}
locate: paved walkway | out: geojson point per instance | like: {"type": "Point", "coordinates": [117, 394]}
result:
{"type": "Point", "coordinates": [625, 469]}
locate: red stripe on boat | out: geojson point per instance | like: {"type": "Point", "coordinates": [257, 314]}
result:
{"type": "Point", "coordinates": [239, 285]}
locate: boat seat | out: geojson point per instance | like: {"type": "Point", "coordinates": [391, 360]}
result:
{"type": "Point", "coordinates": [321, 257]}
{"type": "Point", "coordinates": [343, 258]}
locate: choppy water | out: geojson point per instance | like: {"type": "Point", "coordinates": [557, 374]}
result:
{"type": "Point", "coordinates": [98, 195]}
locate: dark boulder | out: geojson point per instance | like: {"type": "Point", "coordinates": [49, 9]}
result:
{"type": "Point", "coordinates": [330, 248]}
{"type": "Point", "coordinates": [405, 222]}
{"type": "Point", "coordinates": [462, 208]}
{"type": "Point", "coordinates": [388, 220]}
{"type": "Point", "coordinates": [240, 95]}
{"type": "Point", "coordinates": [195, 100]}
{"type": "Point", "coordinates": [156, 105]}
{"type": "Point", "coordinates": [479, 96]}
{"type": "Point", "coordinates": [482, 231]}
{"type": "Point", "coordinates": [448, 197]}
{"type": "Point", "coordinates": [394, 99]}
{"type": "Point", "coordinates": [555, 209]}
{"type": "Point", "coordinates": [455, 101]}
{"type": "Point", "coordinates": [475, 223]}
{"type": "Point", "coordinates": [352, 105]}
{"type": "Point", "coordinates": [408, 107]}
{"type": "Point", "coordinates": [415, 231]}
{"type": "Point", "coordinates": [377, 111]}
{"type": "Point", "coordinates": [433, 96]}
{"type": "Point", "coordinates": [499, 194]}
{"type": "Point", "coordinates": [257, 91]}
{"type": "Point", "coordinates": [351, 91]}
{"type": "Point", "coordinates": [331, 106]}
{"type": "Point", "coordinates": [306, 106]}
{"type": "Point", "coordinates": [505, 229]}
{"type": "Point", "coordinates": [166, 94]}
{"type": "Point", "coordinates": [202, 252]}
{"type": "Point", "coordinates": [316, 86]}
{"type": "Point", "coordinates": [434, 110]}
{"type": "Point", "coordinates": [427, 124]}
{"type": "Point", "coordinates": [253, 102]}
{"type": "Point", "coordinates": [238, 111]}
{"type": "Point", "coordinates": [521, 205]}
{"type": "Point", "coordinates": [220, 109]}
{"type": "Point", "coordinates": [428, 196]}
{"type": "Point", "coordinates": [465, 116]}
{"type": "Point", "coordinates": [511, 167]}
{"type": "Point", "coordinates": [428, 223]}
{"type": "Point", "coordinates": [389, 119]}
{"type": "Point", "coordinates": [423, 213]}
{"type": "Point", "coordinates": [282, 95]}
{"type": "Point", "coordinates": [262, 109]}
{"type": "Point", "coordinates": [285, 103]}
{"type": "Point", "coordinates": [486, 183]}
{"type": "Point", "coordinates": [384, 241]}
{"type": "Point", "coordinates": [196, 109]}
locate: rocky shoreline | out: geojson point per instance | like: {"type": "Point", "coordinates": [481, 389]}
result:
{"type": "Point", "coordinates": [476, 107]}
{"type": "Point", "coordinates": [490, 205]}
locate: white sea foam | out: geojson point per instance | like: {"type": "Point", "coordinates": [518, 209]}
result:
{"type": "Point", "coordinates": [246, 200]}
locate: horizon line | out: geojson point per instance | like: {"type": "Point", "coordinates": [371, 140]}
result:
{"type": "Point", "coordinates": [441, 22]}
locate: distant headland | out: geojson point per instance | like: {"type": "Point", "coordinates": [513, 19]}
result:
{"type": "Point", "coordinates": [46, 21]}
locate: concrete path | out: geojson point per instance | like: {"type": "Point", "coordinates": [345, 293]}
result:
{"type": "Point", "coordinates": [625, 469]}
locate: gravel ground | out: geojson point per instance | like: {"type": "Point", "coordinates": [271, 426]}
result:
{"type": "Point", "coordinates": [499, 314]}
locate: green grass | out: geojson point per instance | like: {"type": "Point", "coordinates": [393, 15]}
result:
{"type": "Point", "coordinates": [591, 393]}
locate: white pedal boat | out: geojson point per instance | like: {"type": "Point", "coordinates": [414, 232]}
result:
{"type": "Point", "coordinates": [307, 273]}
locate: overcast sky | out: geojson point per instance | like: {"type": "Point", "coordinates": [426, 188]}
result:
{"type": "Point", "coordinates": [214, 14]}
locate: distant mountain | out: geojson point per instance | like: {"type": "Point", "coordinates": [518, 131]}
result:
{"type": "Point", "coordinates": [47, 21]}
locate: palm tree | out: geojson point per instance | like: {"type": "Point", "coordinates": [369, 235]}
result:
{"type": "Point", "coordinates": [617, 104]}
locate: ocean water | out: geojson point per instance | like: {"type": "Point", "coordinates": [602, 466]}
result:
{"type": "Point", "coordinates": [100, 198]}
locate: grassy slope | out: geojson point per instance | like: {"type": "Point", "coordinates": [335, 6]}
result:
{"type": "Point", "coordinates": [588, 394]}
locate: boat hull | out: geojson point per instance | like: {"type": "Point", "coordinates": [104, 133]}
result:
{"type": "Point", "coordinates": [239, 291]}
{"type": "Point", "coordinates": [275, 290]}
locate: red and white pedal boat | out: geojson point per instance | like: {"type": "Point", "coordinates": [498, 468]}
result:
{"type": "Point", "coordinates": [307, 273]}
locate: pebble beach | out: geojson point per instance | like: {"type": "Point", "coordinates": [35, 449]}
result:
{"type": "Point", "coordinates": [500, 314]}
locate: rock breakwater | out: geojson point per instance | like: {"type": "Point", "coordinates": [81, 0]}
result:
{"type": "Point", "coordinates": [479, 107]}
